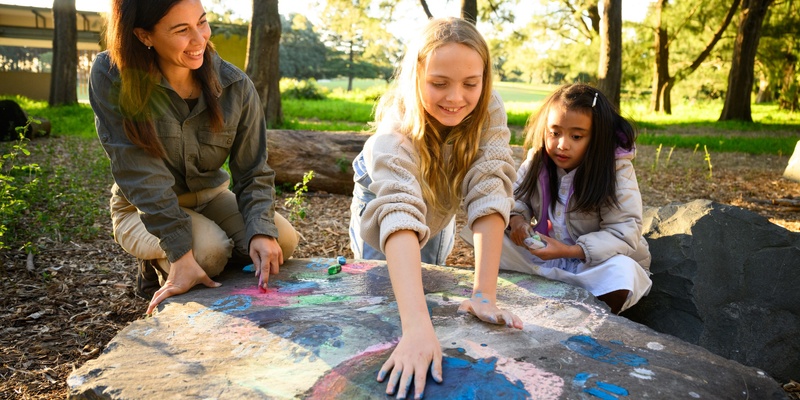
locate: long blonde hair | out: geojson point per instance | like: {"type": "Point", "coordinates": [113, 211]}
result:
{"type": "Point", "coordinates": [441, 179]}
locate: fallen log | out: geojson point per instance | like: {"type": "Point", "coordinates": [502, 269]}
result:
{"type": "Point", "coordinates": [292, 153]}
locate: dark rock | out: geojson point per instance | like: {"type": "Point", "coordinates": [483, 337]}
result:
{"type": "Point", "coordinates": [726, 279]}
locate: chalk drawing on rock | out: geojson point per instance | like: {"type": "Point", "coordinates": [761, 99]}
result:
{"type": "Point", "coordinates": [597, 388]}
{"type": "Point", "coordinates": [590, 347]}
{"type": "Point", "coordinates": [500, 378]}
{"type": "Point", "coordinates": [643, 373]}
{"type": "Point", "coordinates": [655, 346]}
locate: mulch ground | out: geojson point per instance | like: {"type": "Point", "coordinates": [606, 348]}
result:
{"type": "Point", "coordinates": [61, 307]}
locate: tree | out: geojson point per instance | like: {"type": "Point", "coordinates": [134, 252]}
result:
{"type": "Point", "coordinates": [360, 38]}
{"type": "Point", "coordinates": [609, 72]}
{"type": "Point", "coordinates": [302, 53]}
{"type": "Point", "coordinates": [778, 54]}
{"type": "Point", "coordinates": [700, 17]}
{"type": "Point", "coordinates": [64, 77]}
{"type": "Point", "coordinates": [740, 79]}
{"type": "Point", "coordinates": [263, 58]}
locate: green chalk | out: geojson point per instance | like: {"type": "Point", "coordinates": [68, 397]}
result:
{"type": "Point", "coordinates": [334, 269]}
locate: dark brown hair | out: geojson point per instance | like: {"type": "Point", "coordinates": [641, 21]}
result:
{"type": "Point", "coordinates": [595, 177]}
{"type": "Point", "coordinates": [139, 90]}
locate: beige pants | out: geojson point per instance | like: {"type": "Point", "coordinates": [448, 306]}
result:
{"type": "Point", "coordinates": [218, 230]}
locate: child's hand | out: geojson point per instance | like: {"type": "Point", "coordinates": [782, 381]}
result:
{"type": "Point", "coordinates": [417, 352]}
{"type": "Point", "coordinates": [557, 249]}
{"type": "Point", "coordinates": [487, 311]}
{"type": "Point", "coordinates": [520, 229]}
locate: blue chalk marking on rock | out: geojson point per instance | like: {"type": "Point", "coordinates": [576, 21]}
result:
{"type": "Point", "coordinates": [610, 387]}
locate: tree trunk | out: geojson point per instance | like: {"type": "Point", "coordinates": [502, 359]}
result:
{"type": "Point", "coordinates": [64, 77]}
{"type": "Point", "coordinates": [740, 79]}
{"type": "Point", "coordinates": [350, 68]}
{"type": "Point", "coordinates": [292, 153]}
{"type": "Point", "coordinates": [789, 88]}
{"type": "Point", "coordinates": [610, 68]}
{"type": "Point", "coordinates": [661, 70]}
{"type": "Point", "coordinates": [469, 10]}
{"type": "Point", "coordinates": [262, 63]}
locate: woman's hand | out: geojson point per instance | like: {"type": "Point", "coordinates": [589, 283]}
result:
{"type": "Point", "coordinates": [486, 310]}
{"type": "Point", "coordinates": [184, 274]}
{"type": "Point", "coordinates": [418, 351]}
{"type": "Point", "coordinates": [267, 258]}
{"type": "Point", "coordinates": [520, 229]}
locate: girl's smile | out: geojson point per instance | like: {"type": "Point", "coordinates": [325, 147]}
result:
{"type": "Point", "coordinates": [453, 83]}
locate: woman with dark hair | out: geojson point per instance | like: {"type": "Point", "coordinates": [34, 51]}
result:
{"type": "Point", "coordinates": [169, 112]}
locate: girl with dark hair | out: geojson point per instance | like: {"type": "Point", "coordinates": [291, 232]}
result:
{"type": "Point", "coordinates": [578, 211]}
{"type": "Point", "coordinates": [169, 112]}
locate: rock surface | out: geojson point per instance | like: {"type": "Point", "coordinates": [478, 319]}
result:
{"type": "Point", "coordinates": [726, 279]}
{"type": "Point", "coordinates": [315, 335]}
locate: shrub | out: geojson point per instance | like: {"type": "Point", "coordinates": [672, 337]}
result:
{"type": "Point", "coordinates": [302, 90]}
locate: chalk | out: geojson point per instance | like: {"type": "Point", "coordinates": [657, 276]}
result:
{"type": "Point", "coordinates": [334, 269]}
{"type": "Point", "coordinates": [248, 268]}
{"type": "Point", "coordinates": [341, 260]}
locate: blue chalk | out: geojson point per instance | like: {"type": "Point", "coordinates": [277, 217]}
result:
{"type": "Point", "coordinates": [341, 260]}
{"type": "Point", "coordinates": [249, 268]}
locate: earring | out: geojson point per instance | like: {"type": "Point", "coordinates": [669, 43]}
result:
{"type": "Point", "coordinates": [149, 47]}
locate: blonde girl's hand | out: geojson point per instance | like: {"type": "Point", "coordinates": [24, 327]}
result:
{"type": "Point", "coordinates": [184, 274]}
{"type": "Point", "coordinates": [520, 229]}
{"type": "Point", "coordinates": [417, 352]}
{"type": "Point", "coordinates": [486, 310]}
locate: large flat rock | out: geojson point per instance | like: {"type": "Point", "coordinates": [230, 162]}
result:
{"type": "Point", "coordinates": [315, 335]}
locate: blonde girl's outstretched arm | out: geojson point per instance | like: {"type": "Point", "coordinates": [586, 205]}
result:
{"type": "Point", "coordinates": [488, 240]}
{"type": "Point", "coordinates": [419, 347]}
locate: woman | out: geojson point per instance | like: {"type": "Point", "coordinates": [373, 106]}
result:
{"type": "Point", "coordinates": [169, 112]}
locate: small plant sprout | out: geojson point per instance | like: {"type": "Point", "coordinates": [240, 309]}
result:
{"type": "Point", "coordinates": [343, 163]}
{"type": "Point", "coordinates": [669, 156]}
{"type": "Point", "coordinates": [696, 145]}
{"type": "Point", "coordinates": [708, 160]}
{"type": "Point", "coordinates": [297, 203]}
{"type": "Point", "coordinates": [658, 155]}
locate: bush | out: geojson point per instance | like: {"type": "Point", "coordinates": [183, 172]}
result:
{"type": "Point", "coordinates": [17, 182]}
{"type": "Point", "coordinates": [302, 90]}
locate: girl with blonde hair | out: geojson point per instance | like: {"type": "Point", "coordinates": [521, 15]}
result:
{"type": "Point", "coordinates": [440, 143]}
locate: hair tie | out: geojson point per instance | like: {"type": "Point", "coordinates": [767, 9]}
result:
{"type": "Point", "coordinates": [594, 102]}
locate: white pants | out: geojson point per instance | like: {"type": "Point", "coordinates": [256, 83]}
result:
{"type": "Point", "coordinates": [617, 273]}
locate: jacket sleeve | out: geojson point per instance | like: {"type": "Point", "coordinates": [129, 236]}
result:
{"type": "Point", "coordinates": [488, 183]}
{"type": "Point", "coordinates": [253, 179]}
{"type": "Point", "coordinates": [144, 180]}
{"type": "Point", "coordinates": [523, 207]}
{"type": "Point", "coordinates": [398, 204]}
{"type": "Point", "coordinates": [620, 227]}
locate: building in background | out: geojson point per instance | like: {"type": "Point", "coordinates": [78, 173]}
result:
{"type": "Point", "coordinates": [26, 50]}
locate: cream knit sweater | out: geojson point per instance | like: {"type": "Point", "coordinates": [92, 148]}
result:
{"type": "Point", "coordinates": [393, 166]}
